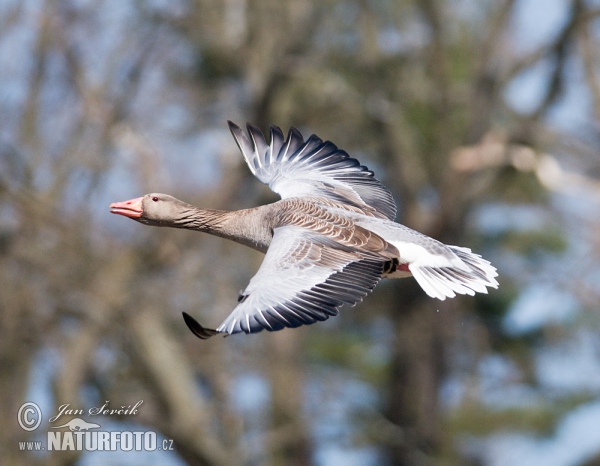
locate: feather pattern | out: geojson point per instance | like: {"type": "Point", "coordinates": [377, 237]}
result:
{"type": "Point", "coordinates": [304, 278]}
{"type": "Point", "coordinates": [312, 168]}
{"type": "Point", "coordinates": [442, 271]}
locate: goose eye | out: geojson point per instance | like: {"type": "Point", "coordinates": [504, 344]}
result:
{"type": "Point", "coordinates": [155, 199]}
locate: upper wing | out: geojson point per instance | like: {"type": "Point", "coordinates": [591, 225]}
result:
{"type": "Point", "coordinates": [295, 168]}
{"type": "Point", "coordinates": [305, 277]}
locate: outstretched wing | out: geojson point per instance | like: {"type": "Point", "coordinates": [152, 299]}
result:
{"type": "Point", "coordinates": [295, 168]}
{"type": "Point", "coordinates": [304, 278]}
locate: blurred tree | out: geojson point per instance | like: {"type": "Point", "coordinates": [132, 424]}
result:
{"type": "Point", "coordinates": [113, 99]}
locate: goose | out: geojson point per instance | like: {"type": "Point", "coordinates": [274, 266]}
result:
{"type": "Point", "coordinates": [327, 242]}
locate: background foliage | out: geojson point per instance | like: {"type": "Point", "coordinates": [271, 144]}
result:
{"type": "Point", "coordinates": [482, 117]}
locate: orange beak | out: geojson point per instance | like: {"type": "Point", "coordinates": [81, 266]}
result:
{"type": "Point", "coordinates": [131, 208]}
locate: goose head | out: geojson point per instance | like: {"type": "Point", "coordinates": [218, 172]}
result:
{"type": "Point", "coordinates": [152, 209]}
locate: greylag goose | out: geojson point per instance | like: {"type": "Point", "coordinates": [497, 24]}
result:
{"type": "Point", "coordinates": [327, 242]}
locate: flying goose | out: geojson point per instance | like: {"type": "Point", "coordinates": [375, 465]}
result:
{"type": "Point", "coordinates": [327, 242]}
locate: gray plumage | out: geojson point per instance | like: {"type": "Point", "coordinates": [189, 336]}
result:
{"type": "Point", "coordinates": [328, 241]}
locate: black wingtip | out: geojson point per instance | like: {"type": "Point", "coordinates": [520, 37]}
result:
{"type": "Point", "coordinates": [296, 132]}
{"type": "Point", "coordinates": [233, 126]}
{"type": "Point", "coordinates": [238, 134]}
{"type": "Point", "coordinates": [241, 139]}
{"type": "Point", "coordinates": [254, 130]}
{"type": "Point", "coordinates": [197, 329]}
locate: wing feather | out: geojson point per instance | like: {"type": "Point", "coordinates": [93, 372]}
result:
{"type": "Point", "coordinates": [312, 168]}
{"type": "Point", "coordinates": [290, 290]}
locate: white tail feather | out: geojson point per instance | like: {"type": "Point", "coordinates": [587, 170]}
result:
{"type": "Point", "coordinates": [445, 282]}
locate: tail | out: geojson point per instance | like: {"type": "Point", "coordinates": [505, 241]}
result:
{"type": "Point", "coordinates": [472, 274]}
